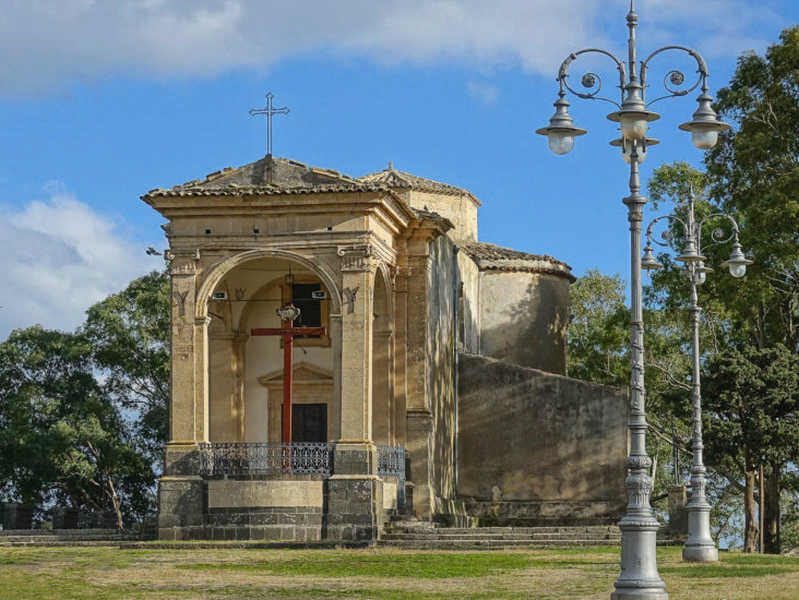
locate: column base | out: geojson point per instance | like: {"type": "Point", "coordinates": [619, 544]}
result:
{"type": "Point", "coordinates": [707, 553]}
{"type": "Point", "coordinates": [353, 508]}
{"type": "Point", "coordinates": [700, 546]}
{"type": "Point", "coordinates": [639, 579]}
{"type": "Point", "coordinates": [181, 507]}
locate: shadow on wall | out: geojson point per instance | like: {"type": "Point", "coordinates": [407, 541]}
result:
{"type": "Point", "coordinates": [526, 320]}
{"type": "Point", "coordinates": [526, 436]}
{"type": "Point", "coordinates": [442, 336]}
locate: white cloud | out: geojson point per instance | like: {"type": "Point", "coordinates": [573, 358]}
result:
{"type": "Point", "coordinates": [46, 44]}
{"type": "Point", "coordinates": [485, 93]}
{"type": "Point", "coordinates": [59, 257]}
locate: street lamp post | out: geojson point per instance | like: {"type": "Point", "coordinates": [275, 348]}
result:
{"type": "Point", "coordinates": [639, 578]}
{"type": "Point", "coordinates": [699, 547]}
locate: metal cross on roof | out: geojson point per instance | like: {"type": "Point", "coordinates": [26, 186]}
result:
{"type": "Point", "coordinates": [269, 111]}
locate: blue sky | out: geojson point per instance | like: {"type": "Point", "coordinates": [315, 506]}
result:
{"type": "Point", "coordinates": [102, 101]}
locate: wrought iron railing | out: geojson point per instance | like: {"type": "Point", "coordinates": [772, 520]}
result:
{"type": "Point", "coordinates": [391, 463]}
{"type": "Point", "coordinates": [265, 459]}
{"type": "Point", "coordinates": [243, 459]}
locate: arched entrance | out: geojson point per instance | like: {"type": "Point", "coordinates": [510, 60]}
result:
{"type": "Point", "coordinates": [245, 372]}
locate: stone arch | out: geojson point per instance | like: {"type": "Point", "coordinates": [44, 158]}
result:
{"type": "Point", "coordinates": [237, 406]}
{"type": "Point", "coordinates": [218, 271]}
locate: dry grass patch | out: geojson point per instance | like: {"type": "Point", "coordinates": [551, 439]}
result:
{"type": "Point", "coordinates": [379, 574]}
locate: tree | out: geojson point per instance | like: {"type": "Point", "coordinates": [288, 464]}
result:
{"type": "Point", "coordinates": [129, 337]}
{"type": "Point", "coordinates": [754, 173]}
{"type": "Point", "coordinates": [61, 437]}
{"type": "Point", "coordinates": [598, 330]}
{"type": "Point", "coordinates": [751, 418]}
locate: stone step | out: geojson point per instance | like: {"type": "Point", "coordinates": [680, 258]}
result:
{"type": "Point", "coordinates": [468, 544]}
{"type": "Point", "coordinates": [63, 537]}
{"type": "Point", "coordinates": [418, 535]}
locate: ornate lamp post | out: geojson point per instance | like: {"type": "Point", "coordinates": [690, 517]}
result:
{"type": "Point", "coordinates": [699, 547]}
{"type": "Point", "coordinates": [639, 578]}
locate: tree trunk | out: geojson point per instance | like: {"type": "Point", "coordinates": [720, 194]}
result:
{"type": "Point", "coordinates": [771, 525]}
{"type": "Point", "coordinates": [750, 518]}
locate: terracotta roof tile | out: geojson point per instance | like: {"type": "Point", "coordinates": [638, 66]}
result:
{"type": "Point", "coordinates": [402, 180]}
{"type": "Point", "coordinates": [490, 257]}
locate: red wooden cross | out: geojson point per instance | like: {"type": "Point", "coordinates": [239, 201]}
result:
{"type": "Point", "coordinates": [288, 332]}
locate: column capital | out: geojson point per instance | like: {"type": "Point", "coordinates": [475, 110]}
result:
{"type": "Point", "coordinates": [183, 262]}
{"type": "Point", "coordinates": [357, 258]}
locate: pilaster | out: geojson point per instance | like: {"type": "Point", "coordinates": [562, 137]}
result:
{"type": "Point", "coordinates": [189, 372]}
{"type": "Point", "coordinates": [357, 273]}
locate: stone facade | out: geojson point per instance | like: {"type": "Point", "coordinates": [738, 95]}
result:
{"type": "Point", "coordinates": [538, 448]}
{"type": "Point", "coordinates": [390, 266]}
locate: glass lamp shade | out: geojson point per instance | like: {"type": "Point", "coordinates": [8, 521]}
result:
{"type": "Point", "coordinates": [560, 143]}
{"type": "Point", "coordinates": [737, 262]}
{"type": "Point", "coordinates": [700, 272]}
{"type": "Point", "coordinates": [704, 140]}
{"type": "Point", "coordinates": [705, 125]}
{"type": "Point", "coordinates": [633, 126]}
{"type": "Point", "coordinates": [633, 121]}
{"type": "Point", "coordinates": [561, 130]}
{"type": "Point", "coordinates": [737, 270]}
{"type": "Point", "coordinates": [627, 148]}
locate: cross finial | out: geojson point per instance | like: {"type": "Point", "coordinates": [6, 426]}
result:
{"type": "Point", "coordinates": [269, 111]}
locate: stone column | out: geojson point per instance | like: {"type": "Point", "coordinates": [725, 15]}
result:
{"type": "Point", "coordinates": [419, 418]}
{"type": "Point", "coordinates": [354, 493]}
{"type": "Point", "coordinates": [181, 492]}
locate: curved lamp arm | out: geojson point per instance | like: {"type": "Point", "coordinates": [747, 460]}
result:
{"type": "Point", "coordinates": [590, 80]}
{"type": "Point", "coordinates": [676, 77]}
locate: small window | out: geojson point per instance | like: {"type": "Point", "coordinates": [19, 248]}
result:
{"type": "Point", "coordinates": [303, 297]}
{"type": "Point", "coordinates": [312, 300]}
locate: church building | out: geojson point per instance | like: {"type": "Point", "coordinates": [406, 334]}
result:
{"type": "Point", "coordinates": [345, 349]}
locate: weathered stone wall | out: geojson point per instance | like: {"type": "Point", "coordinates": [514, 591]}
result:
{"type": "Point", "coordinates": [442, 337]}
{"type": "Point", "coordinates": [539, 445]}
{"type": "Point", "coordinates": [460, 209]}
{"type": "Point", "coordinates": [236, 509]}
{"type": "Point", "coordinates": [524, 318]}
{"type": "Point", "coordinates": [468, 305]}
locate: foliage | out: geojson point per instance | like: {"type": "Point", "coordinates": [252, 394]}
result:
{"type": "Point", "coordinates": [83, 416]}
{"type": "Point", "coordinates": [129, 336]}
{"type": "Point", "coordinates": [673, 183]}
{"type": "Point", "coordinates": [754, 173]}
{"type": "Point", "coordinates": [60, 436]}
{"type": "Point", "coordinates": [599, 330]}
{"type": "Point", "coordinates": [751, 413]}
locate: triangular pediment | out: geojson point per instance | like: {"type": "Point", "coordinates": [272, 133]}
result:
{"type": "Point", "coordinates": [303, 373]}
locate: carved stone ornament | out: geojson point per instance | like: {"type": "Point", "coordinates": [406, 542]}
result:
{"type": "Point", "coordinates": [357, 258]}
{"type": "Point", "coordinates": [184, 262]}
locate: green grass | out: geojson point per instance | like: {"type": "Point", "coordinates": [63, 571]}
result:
{"type": "Point", "coordinates": [373, 574]}
{"type": "Point", "coordinates": [423, 566]}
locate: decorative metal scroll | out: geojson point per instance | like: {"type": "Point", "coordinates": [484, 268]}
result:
{"type": "Point", "coordinates": [265, 459]}
{"type": "Point", "coordinates": [261, 459]}
{"type": "Point", "coordinates": [391, 463]}
{"type": "Point", "coordinates": [674, 81]}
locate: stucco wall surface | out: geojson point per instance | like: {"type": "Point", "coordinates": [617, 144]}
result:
{"type": "Point", "coordinates": [527, 435]}
{"type": "Point", "coordinates": [524, 318]}
{"type": "Point", "coordinates": [441, 337]}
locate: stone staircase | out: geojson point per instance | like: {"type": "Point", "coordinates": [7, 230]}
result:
{"type": "Point", "coordinates": [64, 537]}
{"type": "Point", "coordinates": [427, 536]}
